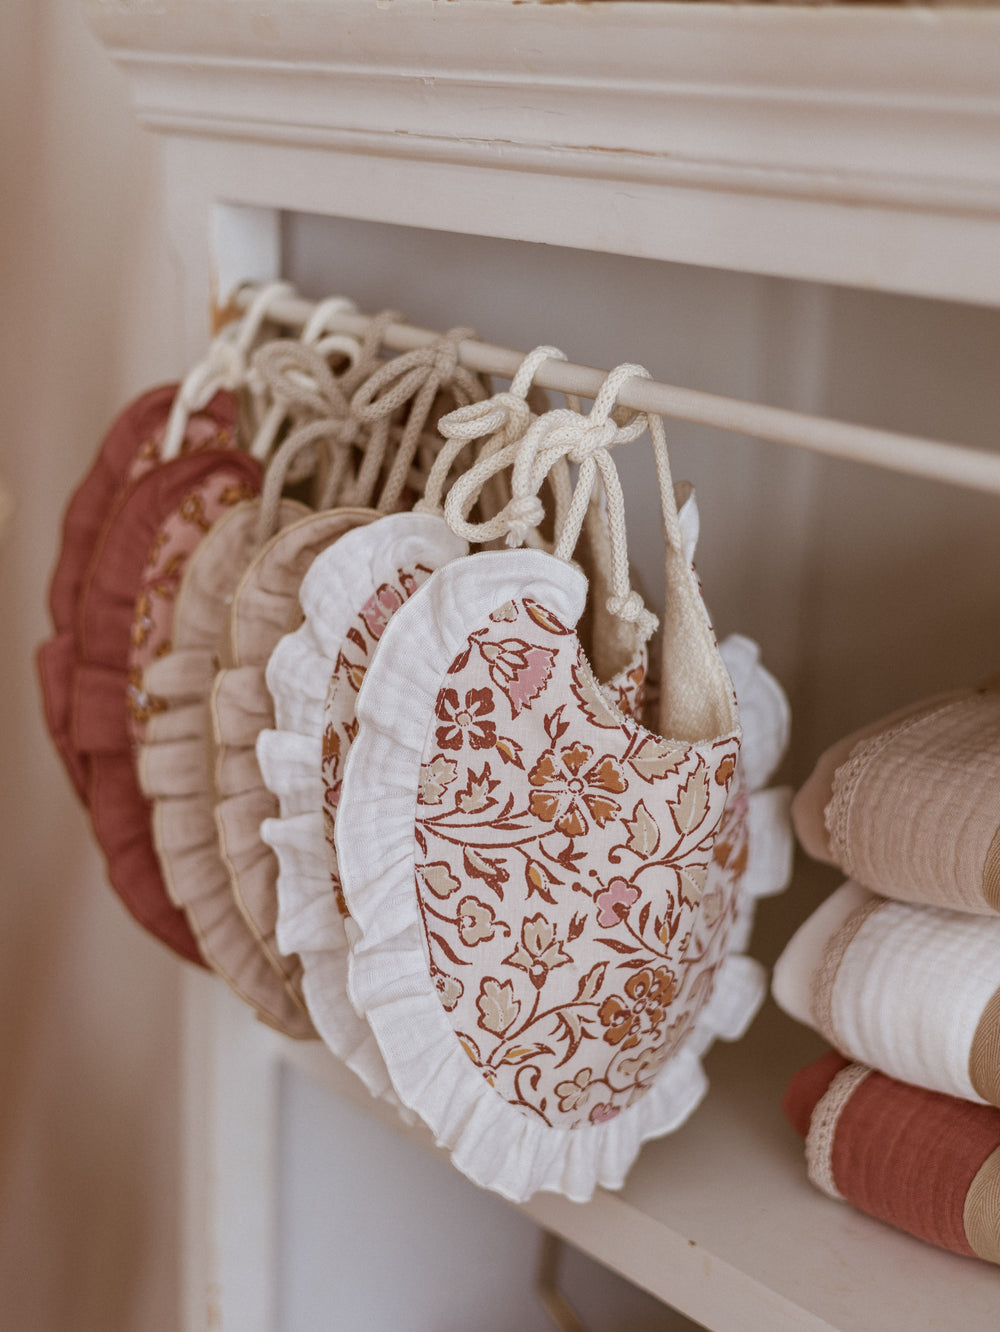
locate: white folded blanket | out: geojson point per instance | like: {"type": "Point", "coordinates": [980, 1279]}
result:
{"type": "Point", "coordinates": [913, 991]}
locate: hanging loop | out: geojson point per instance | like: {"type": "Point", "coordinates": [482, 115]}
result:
{"type": "Point", "coordinates": [553, 440]}
{"type": "Point", "coordinates": [299, 378]}
{"type": "Point", "coordinates": [300, 446]}
{"type": "Point", "coordinates": [501, 420]}
{"type": "Point", "coordinates": [416, 378]}
{"type": "Point", "coordinates": [225, 365]}
{"type": "Point", "coordinates": [300, 384]}
{"type": "Point", "coordinates": [397, 381]}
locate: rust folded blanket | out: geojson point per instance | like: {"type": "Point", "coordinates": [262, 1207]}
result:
{"type": "Point", "coordinates": [926, 1163]}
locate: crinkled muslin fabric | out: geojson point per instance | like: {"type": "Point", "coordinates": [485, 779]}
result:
{"type": "Point", "coordinates": [913, 991]}
{"type": "Point", "coordinates": [169, 504]}
{"type": "Point", "coordinates": [265, 607]}
{"type": "Point", "coordinates": [537, 1001]}
{"type": "Point", "coordinates": [348, 596]}
{"type": "Point", "coordinates": [175, 768]}
{"type": "Point", "coordinates": [130, 448]}
{"type": "Point", "coordinates": [926, 1163]}
{"type": "Point", "coordinates": [910, 806]}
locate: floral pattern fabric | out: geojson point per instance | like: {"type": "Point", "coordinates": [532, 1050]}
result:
{"type": "Point", "coordinates": [627, 690]}
{"type": "Point", "coordinates": [340, 724]}
{"type": "Point", "coordinates": [153, 614]}
{"type": "Point", "coordinates": [202, 431]}
{"type": "Point", "coordinates": [561, 858]}
{"type": "Point", "coordinates": [720, 906]}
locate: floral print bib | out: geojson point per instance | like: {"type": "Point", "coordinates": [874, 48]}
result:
{"type": "Point", "coordinates": [533, 861]}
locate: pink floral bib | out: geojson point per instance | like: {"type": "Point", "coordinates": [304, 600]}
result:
{"type": "Point", "coordinates": [564, 878]}
{"type": "Point", "coordinates": [534, 862]}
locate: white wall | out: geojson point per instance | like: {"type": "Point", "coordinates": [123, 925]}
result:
{"type": "Point", "coordinates": [88, 1032]}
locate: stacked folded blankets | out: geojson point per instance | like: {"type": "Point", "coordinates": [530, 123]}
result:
{"type": "Point", "coordinates": [899, 969]}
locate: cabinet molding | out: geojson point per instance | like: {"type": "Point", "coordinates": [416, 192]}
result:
{"type": "Point", "coordinates": [841, 144]}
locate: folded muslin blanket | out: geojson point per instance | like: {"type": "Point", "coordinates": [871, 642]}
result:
{"type": "Point", "coordinates": [926, 1163]}
{"type": "Point", "coordinates": [910, 806]}
{"type": "Point", "coordinates": [913, 991]}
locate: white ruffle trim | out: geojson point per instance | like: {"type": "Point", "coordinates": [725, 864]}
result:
{"type": "Point", "coordinates": [338, 583]}
{"type": "Point", "coordinates": [491, 1141]}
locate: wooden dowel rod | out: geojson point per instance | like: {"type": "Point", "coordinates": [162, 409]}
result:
{"type": "Point", "coordinates": [956, 464]}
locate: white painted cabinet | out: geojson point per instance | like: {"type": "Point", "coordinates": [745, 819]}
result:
{"type": "Point", "coordinates": [797, 206]}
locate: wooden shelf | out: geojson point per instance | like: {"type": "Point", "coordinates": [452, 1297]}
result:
{"type": "Point", "coordinates": [719, 1221]}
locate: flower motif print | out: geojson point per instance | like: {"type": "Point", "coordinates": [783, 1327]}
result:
{"type": "Point", "coordinates": [193, 511]}
{"type": "Point", "coordinates": [463, 722]}
{"type": "Point", "coordinates": [449, 990]}
{"type": "Point", "coordinates": [435, 778]}
{"type": "Point", "coordinates": [566, 783]}
{"type": "Point", "coordinates": [620, 1023]}
{"type": "Point", "coordinates": [340, 728]}
{"type": "Point", "coordinates": [142, 620]}
{"type": "Point", "coordinates": [614, 902]}
{"type": "Point", "coordinates": [561, 851]}
{"type": "Point", "coordinates": [518, 669]}
{"type": "Point", "coordinates": [603, 1114]}
{"type": "Point", "coordinates": [642, 1067]}
{"type": "Point", "coordinates": [379, 608]}
{"type": "Point", "coordinates": [651, 991]}
{"type": "Point", "coordinates": [153, 609]}
{"type": "Point", "coordinates": [539, 951]}
{"type": "Point", "coordinates": [476, 921]}
{"type": "Point", "coordinates": [477, 793]}
{"type": "Point", "coordinates": [498, 1009]}
{"type": "Point", "coordinates": [725, 770]}
{"type": "Point", "coordinates": [597, 707]}
{"type": "Point", "coordinates": [574, 1095]}
{"type": "Point", "coordinates": [141, 703]}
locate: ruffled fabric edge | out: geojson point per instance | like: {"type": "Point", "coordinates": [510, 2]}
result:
{"type": "Point", "coordinates": [339, 581]}
{"type": "Point", "coordinates": [241, 708]}
{"type": "Point", "coordinates": [119, 812]}
{"type": "Point", "coordinates": [174, 773]}
{"type": "Point", "coordinates": [270, 586]}
{"type": "Point", "coordinates": [490, 1141]}
{"type": "Point", "coordinates": [85, 514]}
{"type": "Point", "coordinates": [141, 423]}
{"type": "Point", "coordinates": [265, 606]}
{"type": "Point", "coordinates": [742, 982]}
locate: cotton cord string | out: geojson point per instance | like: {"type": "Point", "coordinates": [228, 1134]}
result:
{"type": "Point", "coordinates": [372, 344]}
{"type": "Point", "coordinates": [302, 440]}
{"type": "Point", "coordinates": [301, 385]}
{"type": "Point", "coordinates": [369, 362]}
{"type": "Point", "coordinates": [502, 420]}
{"type": "Point", "coordinates": [315, 332]}
{"type": "Point", "coordinates": [305, 389]}
{"type": "Point", "coordinates": [297, 377]}
{"type": "Point", "coordinates": [956, 464]}
{"type": "Point", "coordinates": [510, 417]}
{"type": "Point", "coordinates": [414, 378]}
{"type": "Point", "coordinates": [293, 383]}
{"type": "Point", "coordinates": [590, 449]}
{"type": "Point", "coordinates": [225, 366]}
{"type": "Point", "coordinates": [554, 439]}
